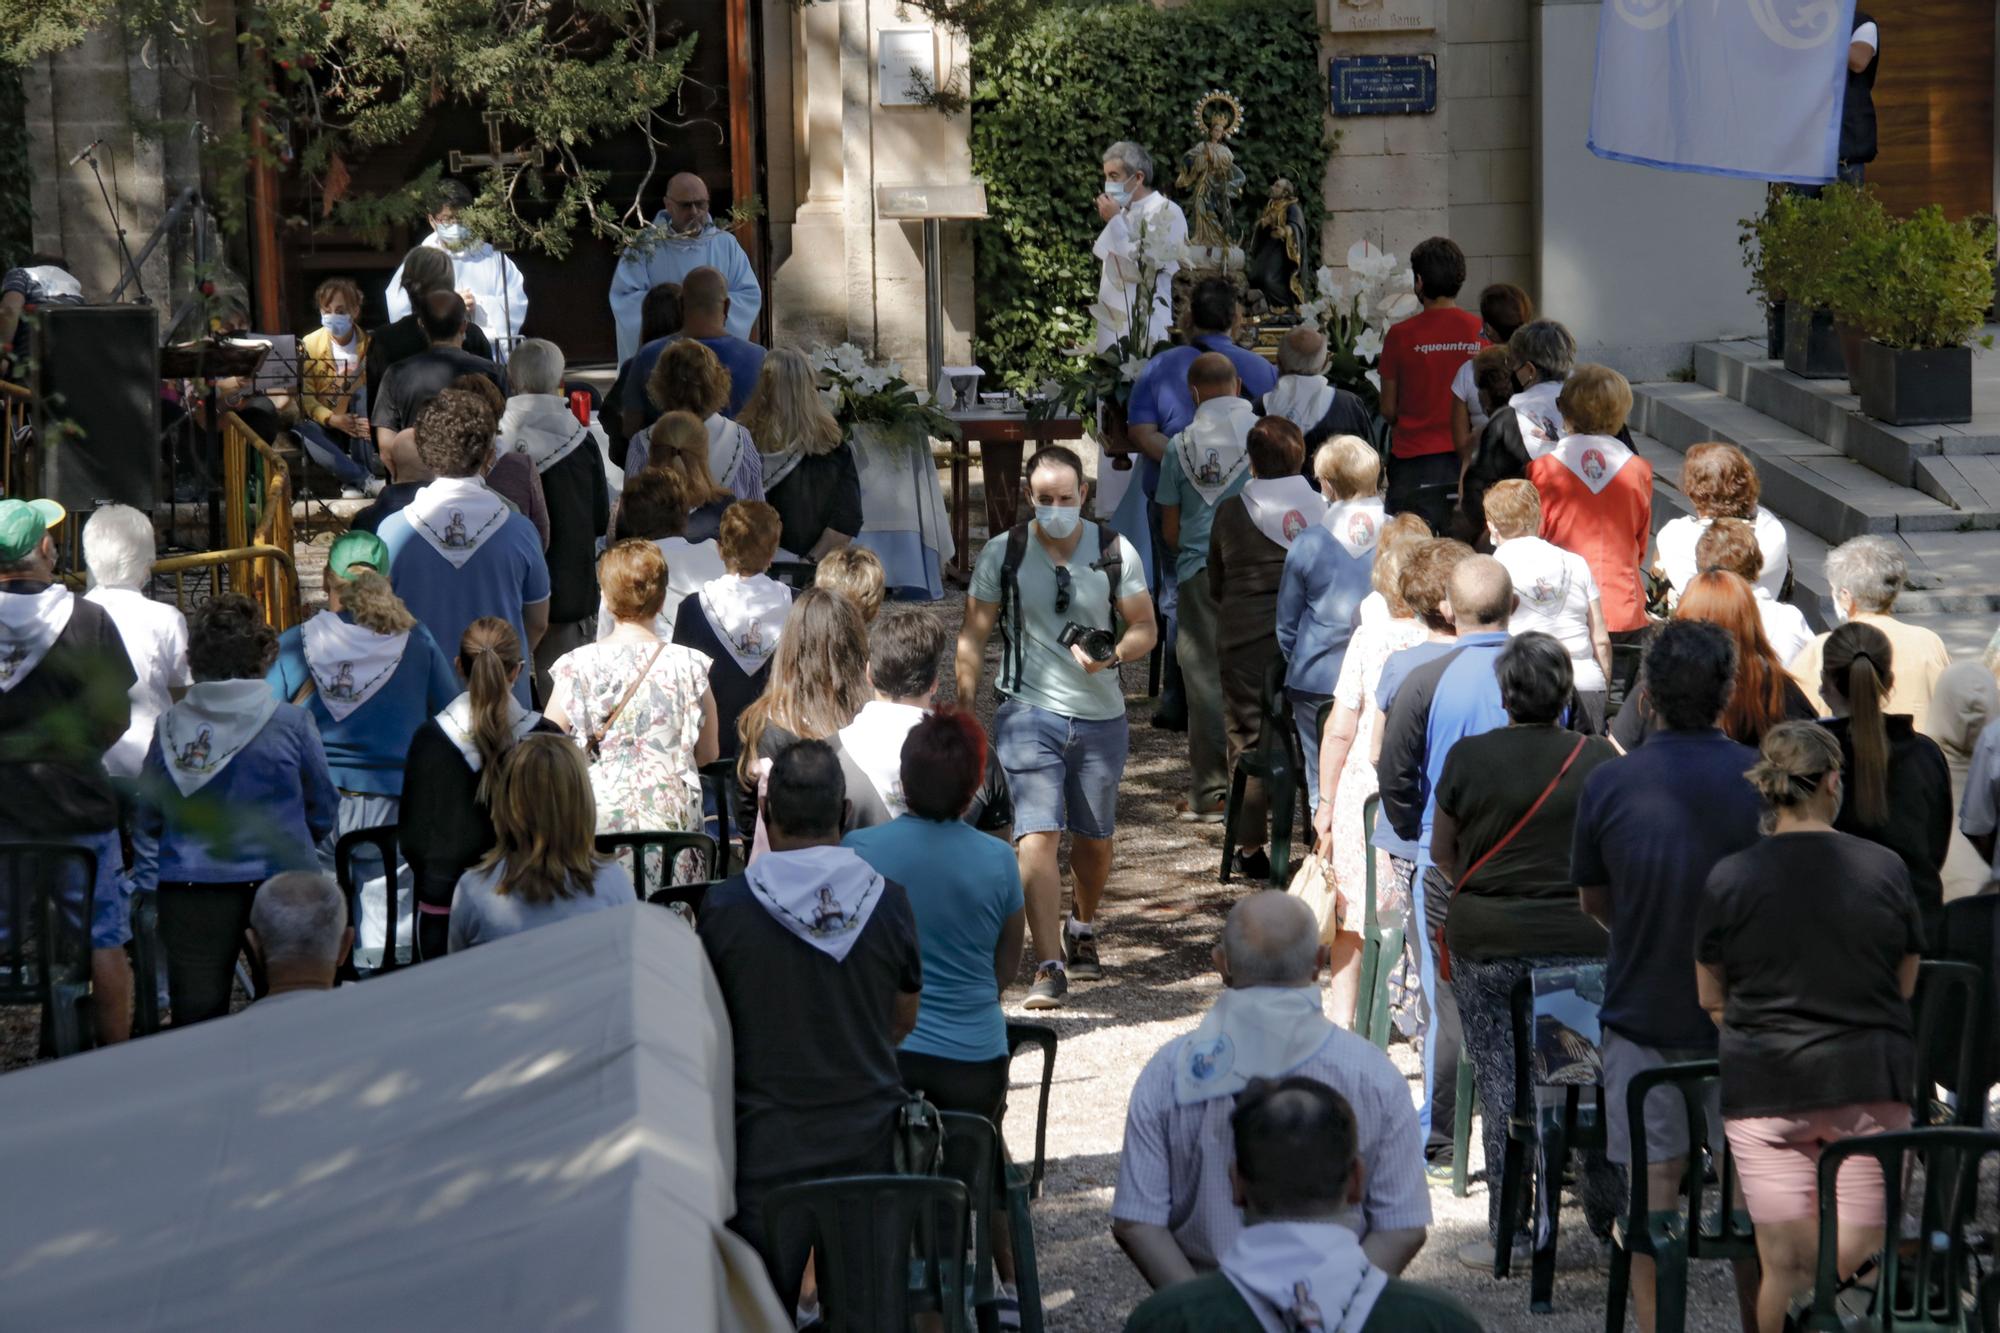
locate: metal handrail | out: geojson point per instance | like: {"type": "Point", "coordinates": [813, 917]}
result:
{"type": "Point", "coordinates": [17, 408]}
{"type": "Point", "coordinates": [267, 572]}
{"type": "Point", "coordinates": [257, 487]}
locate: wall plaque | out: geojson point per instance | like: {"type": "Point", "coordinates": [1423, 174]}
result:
{"type": "Point", "coordinates": [1381, 15]}
{"type": "Point", "coordinates": [1383, 85]}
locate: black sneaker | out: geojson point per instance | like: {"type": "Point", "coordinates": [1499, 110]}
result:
{"type": "Point", "coordinates": [1253, 865]}
{"type": "Point", "coordinates": [1051, 985]}
{"type": "Point", "coordinates": [1080, 956]}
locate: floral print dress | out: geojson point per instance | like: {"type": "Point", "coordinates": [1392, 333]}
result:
{"type": "Point", "coordinates": [1360, 673]}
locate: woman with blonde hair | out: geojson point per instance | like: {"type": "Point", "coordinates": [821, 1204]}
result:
{"type": "Point", "coordinates": [544, 865]}
{"type": "Point", "coordinates": [445, 823]}
{"type": "Point", "coordinates": [369, 675]}
{"type": "Point", "coordinates": [678, 443]}
{"type": "Point", "coordinates": [690, 378]}
{"type": "Point", "coordinates": [819, 681]}
{"type": "Point", "coordinates": [809, 472]}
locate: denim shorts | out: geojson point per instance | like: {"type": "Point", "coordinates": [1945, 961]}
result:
{"type": "Point", "coordinates": [111, 895]}
{"type": "Point", "coordinates": [1062, 772]}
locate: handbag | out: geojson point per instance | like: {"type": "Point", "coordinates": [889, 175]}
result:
{"type": "Point", "coordinates": [1313, 885]}
{"type": "Point", "coordinates": [1442, 950]}
{"type": "Point", "coordinates": [603, 728]}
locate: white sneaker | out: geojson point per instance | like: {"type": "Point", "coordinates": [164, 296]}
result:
{"type": "Point", "coordinates": [352, 493]}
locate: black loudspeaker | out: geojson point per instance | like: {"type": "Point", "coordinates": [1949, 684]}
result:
{"type": "Point", "coordinates": [97, 405]}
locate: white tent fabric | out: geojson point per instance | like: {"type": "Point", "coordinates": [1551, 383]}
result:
{"type": "Point", "coordinates": [536, 1134]}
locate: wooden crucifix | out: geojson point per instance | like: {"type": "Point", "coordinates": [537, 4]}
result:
{"type": "Point", "coordinates": [495, 156]}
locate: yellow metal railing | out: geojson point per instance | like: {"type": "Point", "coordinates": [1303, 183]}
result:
{"type": "Point", "coordinates": [17, 416]}
{"type": "Point", "coordinates": [265, 572]}
{"type": "Point", "coordinates": [257, 491]}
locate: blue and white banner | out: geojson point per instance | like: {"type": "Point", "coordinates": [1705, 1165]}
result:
{"type": "Point", "coordinates": [1726, 87]}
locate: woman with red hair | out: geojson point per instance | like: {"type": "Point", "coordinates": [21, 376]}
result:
{"type": "Point", "coordinates": [1765, 694]}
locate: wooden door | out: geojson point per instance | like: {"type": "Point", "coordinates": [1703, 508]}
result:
{"type": "Point", "coordinates": [1934, 105]}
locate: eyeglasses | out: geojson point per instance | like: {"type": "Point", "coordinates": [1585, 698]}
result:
{"type": "Point", "coordinates": [1063, 589]}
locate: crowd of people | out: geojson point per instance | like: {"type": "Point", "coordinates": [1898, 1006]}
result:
{"type": "Point", "coordinates": [1591, 746]}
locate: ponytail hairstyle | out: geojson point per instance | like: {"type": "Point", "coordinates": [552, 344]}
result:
{"type": "Point", "coordinates": [488, 653]}
{"type": "Point", "coordinates": [1793, 764]}
{"type": "Point", "coordinates": [369, 598]}
{"type": "Point", "coordinates": [1857, 660]}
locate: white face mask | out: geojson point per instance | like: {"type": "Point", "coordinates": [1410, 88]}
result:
{"type": "Point", "coordinates": [1119, 192]}
{"type": "Point", "coordinates": [453, 234]}
{"type": "Point", "coordinates": [1058, 521]}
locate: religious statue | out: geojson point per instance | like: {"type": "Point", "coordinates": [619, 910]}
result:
{"type": "Point", "coordinates": [1278, 251]}
{"type": "Point", "coordinates": [1210, 177]}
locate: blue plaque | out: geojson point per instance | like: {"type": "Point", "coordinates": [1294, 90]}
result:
{"type": "Point", "coordinates": [1384, 85]}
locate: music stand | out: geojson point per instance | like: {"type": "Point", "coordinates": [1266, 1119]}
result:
{"type": "Point", "coordinates": [204, 363]}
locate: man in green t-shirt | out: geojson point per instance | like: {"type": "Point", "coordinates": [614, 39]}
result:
{"type": "Point", "coordinates": [1293, 1265]}
{"type": "Point", "coordinates": [1060, 733]}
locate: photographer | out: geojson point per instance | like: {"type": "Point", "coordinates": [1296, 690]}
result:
{"type": "Point", "coordinates": [1059, 589]}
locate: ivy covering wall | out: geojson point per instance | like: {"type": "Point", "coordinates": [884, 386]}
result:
{"type": "Point", "coordinates": [1051, 96]}
{"type": "Point", "coordinates": [17, 214]}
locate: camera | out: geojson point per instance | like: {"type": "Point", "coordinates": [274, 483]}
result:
{"type": "Point", "coordinates": [1097, 644]}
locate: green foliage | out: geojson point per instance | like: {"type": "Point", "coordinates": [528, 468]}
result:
{"type": "Point", "coordinates": [1930, 281]}
{"type": "Point", "coordinates": [1053, 92]}
{"type": "Point", "coordinates": [1822, 253]}
{"type": "Point", "coordinates": [1769, 243]}
{"type": "Point", "coordinates": [17, 215]}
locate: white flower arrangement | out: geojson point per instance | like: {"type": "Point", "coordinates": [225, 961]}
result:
{"type": "Point", "coordinates": [858, 393]}
{"type": "Point", "coordinates": [1355, 310]}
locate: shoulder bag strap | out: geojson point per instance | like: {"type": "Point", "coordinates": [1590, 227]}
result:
{"type": "Point", "coordinates": [305, 691]}
{"type": "Point", "coordinates": [1444, 953]}
{"type": "Point", "coordinates": [603, 728]}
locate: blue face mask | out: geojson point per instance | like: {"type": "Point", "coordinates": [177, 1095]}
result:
{"type": "Point", "coordinates": [1119, 192]}
{"type": "Point", "coordinates": [1058, 521]}
{"type": "Point", "coordinates": [453, 233]}
{"type": "Point", "coordinates": [338, 325]}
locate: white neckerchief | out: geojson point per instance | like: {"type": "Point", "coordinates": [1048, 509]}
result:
{"type": "Point", "coordinates": [1595, 459]}
{"type": "Point", "coordinates": [727, 443]}
{"type": "Point", "coordinates": [456, 724]}
{"type": "Point", "coordinates": [1355, 524]}
{"type": "Point", "coordinates": [541, 426]}
{"type": "Point", "coordinates": [748, 615]}
{"type": "Point", "coordinates": [1302, 400]}
{"type": "Point", "coordinates": [823, 895]}
{"type": "Point", "coordinates": [349, 663]}
{"type": "Point", "coordinates": [778, 466]}
{"type": "Point", "coordinates": [456, 515]}
{"type": "Point", "coordinates": [1304, 1275]}
{"type": "Point", "coordinates": [874, 741]}
{"type": "Point", "coordinates": [1212, 449]}
{"type": "Point", "coordinates": [30, 624]}
{"type": "Point", "coordinates": [1541, 420]}
{"type": "Point", "coordinates": [210, 726]}
{"type": "Point", "coordinates": [1282, 507]}
{"type": "Point", "coordinates": [1255, 1032]}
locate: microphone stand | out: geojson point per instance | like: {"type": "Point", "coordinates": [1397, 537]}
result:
{"type": "Point", "coordinates": [131, 269]}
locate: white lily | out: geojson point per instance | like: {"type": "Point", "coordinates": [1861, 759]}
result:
{"type": "Point", "coordinates": [1369, 345]}
{"type": "Point", "coordinates": [1133, 367]}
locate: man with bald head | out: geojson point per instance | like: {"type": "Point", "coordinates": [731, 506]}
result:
{"type": "Point", "coordinates": [683, 238]}
{"type": "Point", "coordinates": [1175, 1213]}
{"type": "Point", "coordinates": [705, 310]}
{"type": "Point", "coordinates": [1304, 398]}
{"type": "Point", "coordinates": [1205, 464]}
{"type": "Point", "coordinates": [1449, 697]}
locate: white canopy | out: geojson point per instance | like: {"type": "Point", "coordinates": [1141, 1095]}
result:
{"type": "Point", "coordinates": [536, 1134]}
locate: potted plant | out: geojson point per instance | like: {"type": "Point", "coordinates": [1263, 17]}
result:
{"type": "Point", "coordinates": [1931, 282]}
{"type": "Point", "coordinates": [1355, 311]}
{"type": "Point", "coordinates": [1100, 383]}
{"type": "Point", "coordinates": [1771, 258]}
{"type": "Point", "coordinates": [1824, 271]}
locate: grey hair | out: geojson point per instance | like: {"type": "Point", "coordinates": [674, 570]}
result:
{"type": "Point", "coordinates": [1134, 158]}
{"type": "Point", "coordinates": [535, 366]}
{"type": "Point", "coordinates": [118, 547]}
{"type": "Point", "coordinates": [1293, 359]}
{"type": "Point", "coordinates": [298, 916]}
{"type": "Point", "coordinates": [1547, 346]}
{"type": "Point", "coordinates": [1270, 939]}
{"type": "Point", "coordinates": [1872, 571]}
{"type": "Point", "coordinates": [425, 270]}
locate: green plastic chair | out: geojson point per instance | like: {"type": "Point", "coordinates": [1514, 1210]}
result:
{"type": "Point", "coordinates": [670, 845]}
{"type": "Point", "coordinates": [45, 958]}
{"type": "Point", "coordinates": [1024, 1183]}
{"type": "Point", "coordinates": [1381, 946]}
{"type": "Point", "coordinates": [1947, 1018]}
{"type": "Point", "coordinates": [884, 1247]}
{"type": "Point", "coordinates": [970, 1147]}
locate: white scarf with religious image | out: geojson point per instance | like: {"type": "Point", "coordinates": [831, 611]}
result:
{"type": "Point", "coordinates": [1355, 524]}
{"type": "Point", "coordinates": [748, 615]}
{"type": "Point", "coordinates": [1282, 507]}
{"type": "Point", "coordinates": [874, 741]}
{"type": "Point", "coordinates": [210, 726]}
{"type": "Point", "coordinates": [1254, 1032]}
{"type": "Point", "coordinates": [456, 723]}
{"type": "Point", "coordinates": [1540, 419]}
{"type": "Point", "coordinates": [823, 895]}
{"type": "Point", "coordinates": [727, 443]}
{"type": "Point", "coordinates": [1304, 1275]}
{"type": "Point", "coordinates": [457, 515]}
{"type": "Point", "coordinates": [1595, 459]}
{"type": "Point", "coordinates": [541, 426]}
{"type": "Point", "coordinates": [30, 624]}
{"type": "Point", "coordinates": [1212, 450]}
{"type": "Point", "coordinates": [349, 663]}
{"type": "Point", "coordinates": [1303, 400]}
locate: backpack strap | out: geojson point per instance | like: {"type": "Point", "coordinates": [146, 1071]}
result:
{"type": "Point", "coordinates": [1110, 559]}
{"type": "Point", "coordinates": [1014, 659]}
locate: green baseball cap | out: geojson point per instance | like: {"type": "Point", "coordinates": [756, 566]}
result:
{"type": "Point", "coordinates": [22, 525]}
{"type": "Point", "coordinates": [357, 547]}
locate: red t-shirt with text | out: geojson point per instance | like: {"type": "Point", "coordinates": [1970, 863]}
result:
{"type": "Point", "coordinates": [1421, 355]}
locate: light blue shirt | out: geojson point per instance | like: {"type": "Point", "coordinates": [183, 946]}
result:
{"type": "Point", "coordinates": [963, 885]}
{"type": "Point", "coordinates": [365, 750]}
{"type": "Point", "coordinates": [1318, 594]}
{"type": "Point", "coordinates": [1197, 514]}
{"type": "Point", "coordinates": [656, 256]}
{"type": "Point", "coordinates": [506, 574]}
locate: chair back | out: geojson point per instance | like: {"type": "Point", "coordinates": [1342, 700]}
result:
{"type": "Point", "coordinates": [971, 1150]}
{"type": "Point", "coordinates": [382, 837]}
{"type": "Point", "coordinates": [718, 780]}
{"type": "Point", "coordinates": [1949, 1021]}
{"type": "Point", "coordinates": [1381, 946]}
{"type": "Point", "coordinates": [1279, 742]}
{"type": "Point", "coordinates": [864, 1232]}
{"type": "Point", "coordinates": [639, 844]}
{"type": "Point", "coordinates": [1564, 1031]}
{"type": "Point", "coordinates": [1043, 1037]}
{"type": "Point", "coordinates": [685, 900]}
{"type": "Point", "coordinates": [1729, 1236]}
{"type": "Point", "coordinates": [44, 919]}
{"type": "Point", "coordinates": [1924, 1273]}
{"type": "Point", "coordinates": [797, 575]}
{"type": "Point", "coordinates": [1625, 660]}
